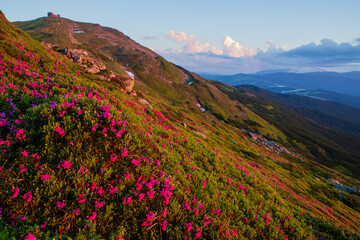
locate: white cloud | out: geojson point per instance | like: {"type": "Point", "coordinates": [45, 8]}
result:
{"type": "Point", "coordinates": [179, 37]}
{"type": "Point", "coordinates": [271, 44]}
{"type": "Point", "coordinates": [230, 47]}
{"type": "Point", "coordinates": [149, 38]}
{"type": "Point", "coordinates": [234, 49]}
{"type": "Point", "coordinates": [216, 50]}
{"type": "Point", "coordinates": [192, 45]}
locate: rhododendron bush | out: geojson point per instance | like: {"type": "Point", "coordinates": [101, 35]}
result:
{"type": "Point", "coordinates": [81, 159]}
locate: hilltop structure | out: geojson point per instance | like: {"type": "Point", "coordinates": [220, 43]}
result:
{"type": "Point", "coordinates": [50, 14]}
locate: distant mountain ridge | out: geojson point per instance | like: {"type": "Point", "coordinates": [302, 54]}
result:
{"type": "Point", "coordinates": [338, 87]}
{"type": "Point", "coordinates": [330, 114]}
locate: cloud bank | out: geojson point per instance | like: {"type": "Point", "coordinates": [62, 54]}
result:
{"type": "Point", "coordinates": [234, 58]}
{"type": "Point", "coordinates": [149, 38]}
{"type": "Point", "coordinates": [230, 47]}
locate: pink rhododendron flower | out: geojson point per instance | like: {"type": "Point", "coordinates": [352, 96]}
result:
{"type": "Point", "coordinates": [76, 211]}
{"type": "Point", "coordinates": [16, 192]}
{"type": "Point", "coordinates": [150, 193]}
{"type": "Point", "coordinates": [101, 191]}
{"type": "Point", "coordinates": [207, 221]}
{"type": "Point", "coordinates": [4, 122]}
{"type": "Point", "coordinates": [127, 200]}
{"type": "Point", "coordinates": [163, 225]}
{"type": "Point", "coordinates": [20, 134]}
{"type": "Point", "coordinates": [141, 196]}
{"type": "Point", "coordinates": [24, 154]}
{"type": "Point", "coordinates": [150, 216]}
{"type": "Point", "coordinates": [113, 122]}
{"type": "Point", "coordinates": [198, 234]}
{"type": "Point", "coordinates": [113, 190]}
{"type": "Point", "coordinates": [125, 152]}
{"type": "Point", "coordinates": [164, 213]}
{"type": "Point", "coordinates": [43, 225]}
{"type": "Point", "coordinates": [52, 104]}
{"type": "Point", "coordinates": [60, 204]}
{"type": "Point", "coordinates": [59, 131]}
{"type": "Point", "coordinates": [44, 177]}
{"type": "Point", "coordinates": [127, 176]}
{"type": "Point", "coordinates": [99, 204]}
{"type": "Point", "coordinates": [28, 196]}
{"type": "Point", "coordinates": [81, 198]}
{"type": "Point", "coordinates": [62, 113]}
{"type": "Point", "coordinates": [138, 186]}
{"type": "Point", "coordinates": [189, 226]}
{"type": "Point", "coordinates": [7, 143]}
{"type": "Point", "coordinates": [23, 168]}
{"type": "Point", "coordinates": [104, 132]}
{"type": "Point", "coordinates": [113, 158]}
{"type": "Point", "coordinates": [66, 164]}
{"type": "Point", "coordinates": [118, 134]}
{"type": "Point", "coordinates": [92, 217]}
{"type": "Point", "coordinates": [135, 162]}
{"type": "Point", "coordinates": [30, 237]}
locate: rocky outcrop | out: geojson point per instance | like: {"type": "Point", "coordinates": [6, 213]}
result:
{"type": "Point", "coordinates": [126, 82]}
{"type": "Point", "coordinates": [145, 103]}
{"type": "Point", "coordinates": [200, 134]}
{"type": "Point", "coordinates": [346, 188]}
{"type": "Point", "coordinates": [129, 84]}
{"type": "Point", "coordinates": [50, 45]}
{"type": "Point", "coordinates": [259, 139]}
{"type": "Point", "coordinates": [333, 180]}
{"type": "Point", "coordinates": [341, 187]}
{"type": "Point", "coordinates": [91, 65]}
{"type": "Point", "coordinates": [82, 58]}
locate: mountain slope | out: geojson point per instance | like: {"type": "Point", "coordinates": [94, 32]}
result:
{"type": "Point", "coordinates": [153, 73]}
{"type": "Point", "coordinates": [336, 147]}
{"type": "Point", "coordinates": [82, 159]}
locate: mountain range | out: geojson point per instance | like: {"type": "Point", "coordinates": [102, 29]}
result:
{"type": "Point", "coordinates": [102, 138]}
{"type": "Point", "coordinates": [331, 86]}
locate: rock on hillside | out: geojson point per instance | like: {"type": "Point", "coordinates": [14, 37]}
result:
{"type": "Point", "coordinates": [82, 58]}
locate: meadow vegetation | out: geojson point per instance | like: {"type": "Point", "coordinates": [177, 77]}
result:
{"type": "Point", "coordinates": [80, 159]}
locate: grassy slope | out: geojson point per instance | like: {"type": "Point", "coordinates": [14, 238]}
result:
{"type": "Point", "coordinates": [62, 129]}
{"type": "Point", "coordinates": [329, 146]}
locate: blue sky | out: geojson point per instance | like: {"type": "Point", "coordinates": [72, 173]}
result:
{"type": "Point", "coordinates": [225, 36]}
